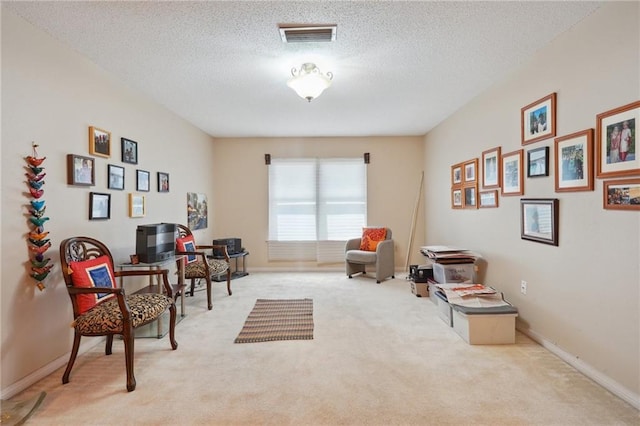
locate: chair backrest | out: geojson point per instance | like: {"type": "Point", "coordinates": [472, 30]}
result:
{"type": "Point", "coordinates": [77, 249]}
{"type": "Point", "coordinates": [183, 231]}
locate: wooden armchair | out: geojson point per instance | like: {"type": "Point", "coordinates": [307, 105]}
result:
{"type": "Point", "coordinates": [101, 308]}
{"type": "Point", "coordinates": [199, 265]}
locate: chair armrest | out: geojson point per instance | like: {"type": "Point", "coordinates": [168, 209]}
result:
{"type": "Point", "coordinates": [353, 244]}
{"type": "Point", "coordinates": [384, 247]}
{"type": "Point", "coordinates": [193, 253]}
{"type": "Point", "coordinates": [89, 290]}
{"type": "Point", "coordinates": [217, 246]}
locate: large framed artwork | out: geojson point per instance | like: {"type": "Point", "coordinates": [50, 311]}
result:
{"type": "Point", "coordinates": [538, 120]}
{"type": "Point", "coordinates": [512, 173]}
{"type": "Point", "coordinates": [616, 132]}
{"type": "Point", "coordinates": [197, 210]}
{"type": "Point", "coordinates": [573, 159]}
{"type": "Point", "coordinates": [539, 220]}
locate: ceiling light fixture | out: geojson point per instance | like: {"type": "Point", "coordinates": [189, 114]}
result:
{"type": "Point", "coordinates": [308, 82]}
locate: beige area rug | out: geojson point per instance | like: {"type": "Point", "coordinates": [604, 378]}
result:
{"type": "Point", "coordinates": [277, 319]}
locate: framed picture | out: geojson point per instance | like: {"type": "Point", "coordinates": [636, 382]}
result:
{"type": "Point", "coordinates": [99, 142]}
{"type": "Point", "coordinates": [456, 198]}
{"type": "Point", "coordinates": [137, 205]}
{"type": "Point", "coordinates": [538, 162]}
{"type": "Point", "coordinates": [99, 206]}
{"type": "Point", "coordinates": [539, 220]}
{"type": "Point", "coordinates": [512, 175]}
{"type": "Point", "coordinates": [116, 177]}
{"type": "Point", "coordinates": [471, 171]}
{"type": "Point", "coordinates": [197, 210]}
{"type": "Point", "coordinates": [129, 151]}
{"type": "Point", "coordinates": [616, 132]}
{"type": "Point", "coordinates": [573, 158]}
{"type": "Point", "coordinates": [80, 170]}
{"type": "Point", "coordinates": [163, 182]}
{"type": "Point", "coordinates": [489, 199]}
{"type": "Point", "coordinates": [142, 181]}
{"type": "Point", "coordinates": [470, 197]}
{"type": "Point", "coordinates": [490, 169]}
{"type": "Point", "coordinates": [538, 120]}
{"type": "Point", "coordinates": [456, 174]}
{"type": "Point", "coordinates": [622, 194]}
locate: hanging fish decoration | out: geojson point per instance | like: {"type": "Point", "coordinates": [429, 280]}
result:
{"type": "Point", "coordinates": [38, 221]}
{"type": "Point", "coordinates": [38, 235]}
{"type": "Point", "coordinates": [34, 177]}
{"type": "Point", "coordinates": [35, 184]}
{"type": "Point", "coordinates": [37, 204]}
{"type": "Point", "coordinates": [38, 243]}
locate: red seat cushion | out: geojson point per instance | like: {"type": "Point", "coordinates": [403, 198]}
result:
{"type": "Point", "coordinates": [90, 273]}
{"type": "Point", "coordinates": [371, 237]}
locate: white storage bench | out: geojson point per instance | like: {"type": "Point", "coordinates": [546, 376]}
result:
{"type": "Point", "coordinates": [485, 326]}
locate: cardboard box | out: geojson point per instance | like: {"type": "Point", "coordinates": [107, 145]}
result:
{"type": "Point", "coordinates": [420, 289]}
{"type": "Point", "coordinates": [485, 326]}
{"type": "Point", "coordinates": [444, 308]}
{"type": "Point", "coordinates": [454, 273]}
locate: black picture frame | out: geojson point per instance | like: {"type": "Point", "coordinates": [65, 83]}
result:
{"type": "Point", "coordinates": [81, 171]}
{"type": "Point", "coordinates": [115, 177]}
{"type": "Point", "coordinates": [538, 162]}
{"type": "Point", "coordinates": [129, 150]}
{"type": "Point", "coordinates": [539, 220]}
{"type": "Point", "coordinates": [143, 181]}
{"type": "Point", "coordinates": [99, 206]}
{"type": "Point", "coordinates": [163, 182]}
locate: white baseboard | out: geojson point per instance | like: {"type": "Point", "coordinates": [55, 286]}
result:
{"type": "Point", "coordinates": [43, 372]}
{"type": "Point", "coordinates": [606, 382]}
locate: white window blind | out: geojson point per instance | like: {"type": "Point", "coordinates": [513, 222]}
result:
{"type": "Point", "coordinates": [315, 205]}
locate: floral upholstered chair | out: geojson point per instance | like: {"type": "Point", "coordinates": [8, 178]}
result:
{"type": "Point", "coordinates": [199, 264]}
{"type": "Point", "coordinates": [374, 248]}
{"type": "Point", "coordinates": [101, 308]}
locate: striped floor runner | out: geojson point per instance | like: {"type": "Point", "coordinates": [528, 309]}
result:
{"type": "Point", "coordinates": [273, 319]}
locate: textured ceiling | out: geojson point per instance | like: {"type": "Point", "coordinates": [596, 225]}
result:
{"type": "Point", "coordinates": [400, 68]}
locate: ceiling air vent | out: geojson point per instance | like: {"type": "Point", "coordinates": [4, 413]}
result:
{"type": "Point", "coordinates": [307, 33]}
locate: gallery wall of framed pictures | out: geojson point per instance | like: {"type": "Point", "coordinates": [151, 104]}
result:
{"type": "Point", "coordinates": [81, 171]}
{"type": "Point", "coordinates": [575, 160]}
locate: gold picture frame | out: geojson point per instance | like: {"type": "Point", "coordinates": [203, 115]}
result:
{"type": "Point", "coordinates": [99, 142]}
{"type": "Point", "coordinates": [137, 205]}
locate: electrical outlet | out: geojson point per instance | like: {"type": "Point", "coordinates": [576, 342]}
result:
{"type": "Point", "coordinates": [523, 287]}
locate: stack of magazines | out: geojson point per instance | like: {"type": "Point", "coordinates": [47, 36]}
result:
{"type": "Point", "coordinates": [448, 255]}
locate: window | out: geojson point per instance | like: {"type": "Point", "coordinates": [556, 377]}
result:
{"type": "Point", "coordinates": [315, 205]}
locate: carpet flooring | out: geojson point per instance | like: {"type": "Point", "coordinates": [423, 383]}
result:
{"type": "Point", "coordinates": [276, 319]}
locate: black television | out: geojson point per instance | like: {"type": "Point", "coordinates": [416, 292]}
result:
{"type": "Point", "coordinates": [155, 242]}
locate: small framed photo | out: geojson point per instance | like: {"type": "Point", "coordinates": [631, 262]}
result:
{"type": "Point", "coordinates": [99, 142]}
{"type": "Point", "coordinates": [490, 169]}
{"type": "Point", "coordinates": [116, 177]}
{"type": "Point", "coordinates": [470, 197]}
{"type": "Point", "coordinates": [99, 206]}
{"type": "Point", "coordinates": [573, 159]}
{"type": "Point", "coordinates": [129, 151]}
{"type": "Point", "coordinates": [456, 174]}
{"type": "Point", "coordinates": [142, 181]}
{"type": "Point", "coordinates": [489, 199]}
{"type": "Point", "coordinates": [471, 171]}
{"type": "Point", "coordinates": [623, 194]}
{"type": "Point", "coordinates": [538, 162]}
{"type": "Point", "coordinates": [616, 133]}
{"type": "Point", "coordinates": [137, 205]}
{"type": "Point", "coordinates": [456, 198]}
{"type": "Point", "coordinates": [538, 120]}
{"type": "Point", "coordinates": [163, 182]}
{"type": "Point", "coordinates": [539, 220]}
{"type": "Point", "coordinates": [512, 175]}
{"type": "Point", "coordinates": [80, 170]}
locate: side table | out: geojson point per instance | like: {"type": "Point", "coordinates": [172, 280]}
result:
{"type": "Point", "coordinates": [236, 273]}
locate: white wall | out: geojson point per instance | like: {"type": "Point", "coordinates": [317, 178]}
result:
{"type": "Point", "coordinates": [51, 95]}
{"type": "Point", "coordinates": [241, 185]}
{"type": "Point", "coordinates": [583, 296]}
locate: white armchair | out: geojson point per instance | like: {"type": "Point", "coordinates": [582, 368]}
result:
{"type": "Point", "coordinates": [382, 258]}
